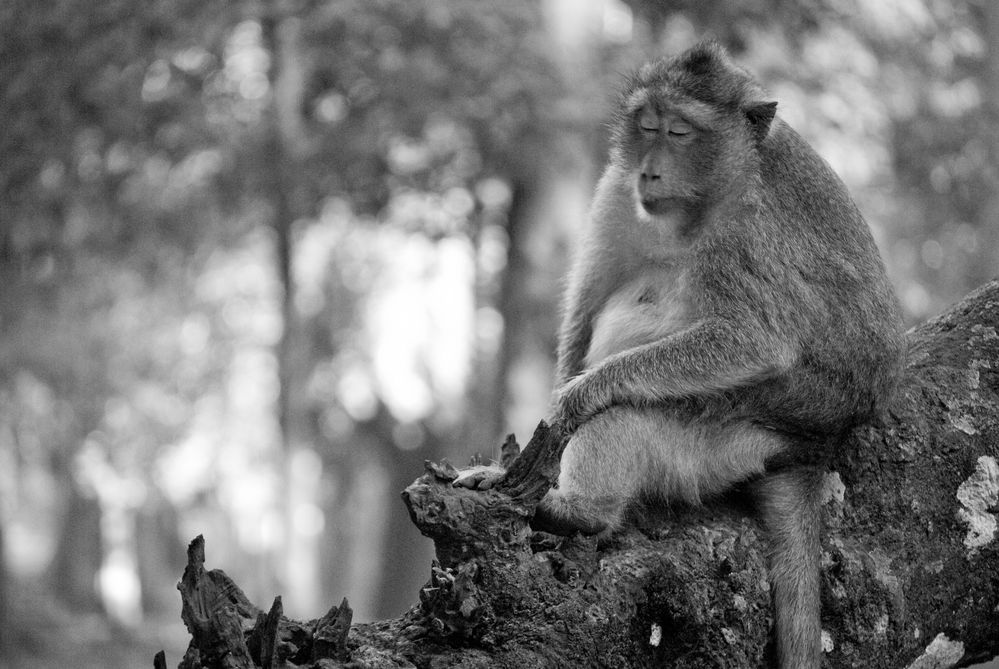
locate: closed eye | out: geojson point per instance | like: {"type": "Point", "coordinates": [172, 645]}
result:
{"type": "Point", "coordinates": [680, 128]}
{"type": "Point", "coordinates": [648, 120]}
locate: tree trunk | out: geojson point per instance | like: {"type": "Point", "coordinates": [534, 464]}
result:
{"type": "Point", "coordinates": [909, 563]}
{"type": "Point", "coordinates": [988, 231]}
{"type": "Point", "coordinates": [5, 645]}
{"type": "Point", "coordinates": [77, 561]}
{"type": "Point", "coordinates": [284, 150]}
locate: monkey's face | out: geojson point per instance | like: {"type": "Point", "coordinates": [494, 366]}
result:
{"type": "Point", "coordinates": [670, 147]}
{"type": "Point", "coordinates": [673, 153]}
{"type": "Point", "coordinates": [687, 129]}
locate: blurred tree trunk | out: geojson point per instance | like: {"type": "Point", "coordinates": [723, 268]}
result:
{"type": "Point", "coordinates": [553, 185]}
{"type": "Point", "coordinates": [354, 539]}
{"type": "Point", "coordinates": [5, 644]}
{"type": "Point", "coordinates": [989, 82]}
{"type": "Point", "coordinates": [519, 306]}
{"type": "Point", "coordinates": [397, 579]}
{"type": "Point", "coordinates": [74, 569]}
{"type": "Point", "coordinates": [375, 529]}
{"type": "Point", "coordinates": [156, 531]}
{"type": "Point", "coordinates": [280, 164]}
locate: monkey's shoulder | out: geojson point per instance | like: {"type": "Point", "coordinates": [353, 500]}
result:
{"type": "Point", "coordinates": [803, 192]}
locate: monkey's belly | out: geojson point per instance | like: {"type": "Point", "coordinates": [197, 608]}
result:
{"type": "Point", "coordinates": [641, 312]}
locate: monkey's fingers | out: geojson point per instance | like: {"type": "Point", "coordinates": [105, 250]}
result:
{"type": "Point", "coordinates": [478, 478]}
{"type": "Point", "coordinates": [571, 416]}
{"type": "Point", "coordinates": [577, 403]}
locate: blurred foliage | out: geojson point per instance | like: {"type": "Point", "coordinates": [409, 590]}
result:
{"type": "Point", "coordinates": [259, 259]}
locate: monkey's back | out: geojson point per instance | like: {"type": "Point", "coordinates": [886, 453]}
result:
{"type": "Point", "coordinates": [814, 252]}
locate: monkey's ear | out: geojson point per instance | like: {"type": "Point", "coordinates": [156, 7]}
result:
{"type": "Point", "coordinates": [760, 114]}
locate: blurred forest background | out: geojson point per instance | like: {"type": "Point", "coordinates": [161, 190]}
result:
{"type": "Point", "coordinates": [259, 260]}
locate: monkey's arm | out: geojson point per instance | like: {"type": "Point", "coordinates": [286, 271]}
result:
{"type": "Point", "coordinates": [583, 303]}
{"type": "Point", "coordinates": [574, 341]}
{"type": "Point", "coordinates": [602, 262]}
{"type": "Point", "coordinates": [711, 356]}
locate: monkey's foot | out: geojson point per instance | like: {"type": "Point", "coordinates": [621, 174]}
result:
{"type": "Point", "coordinates": [480, 477]}
{"type": "Point", "coordinates": [565, 521]}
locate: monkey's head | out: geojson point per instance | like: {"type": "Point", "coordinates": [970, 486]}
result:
{"type": "Point", "coordinates": [688, 129]}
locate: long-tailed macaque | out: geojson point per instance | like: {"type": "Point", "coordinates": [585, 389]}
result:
{"type": "Point", "coordinates": [727, 321]}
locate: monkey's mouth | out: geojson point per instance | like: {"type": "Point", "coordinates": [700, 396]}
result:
{"type": "Point", "coordinates": [658, 206]}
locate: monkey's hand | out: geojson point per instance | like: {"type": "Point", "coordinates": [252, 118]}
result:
{"type": "Point", "coordinates": [579, 400]}
{"type": "Point", "coordinates": [482, 477]}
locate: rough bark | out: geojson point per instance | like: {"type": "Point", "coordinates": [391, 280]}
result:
{"type": "Point", "coordinates": [910, 563]}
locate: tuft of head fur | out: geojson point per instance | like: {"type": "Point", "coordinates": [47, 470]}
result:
{"type": "Point", "coordinates": [706, 73]}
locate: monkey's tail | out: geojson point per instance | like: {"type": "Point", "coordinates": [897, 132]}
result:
{"type": "Point", "coordinates": [789, 505]}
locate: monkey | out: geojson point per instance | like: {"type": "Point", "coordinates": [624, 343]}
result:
{"type": "Point", "coordinates": [727, 321]}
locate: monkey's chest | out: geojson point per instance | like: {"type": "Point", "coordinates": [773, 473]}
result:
{"type": "Point", "coordinates": [643, 311]}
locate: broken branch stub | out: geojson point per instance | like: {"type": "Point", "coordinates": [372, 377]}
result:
{"type": "Point", "coordinates": [229, 632]}
{"type": "Point", "coordinates": [214, 610]}
{"type": "Point", "coordinates": [330, 638]}
{"type": "Point", "coordinates": [481, 537]}
{"type": "Point", "coordinates": [464, 522]}
{"type": "Point", "coordinates": [533, 473]}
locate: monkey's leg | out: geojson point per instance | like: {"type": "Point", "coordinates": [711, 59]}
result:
{"type": "Point", "coordinates": [626, 453]}
{"type": "Point", "coordinates": [596, 480]}
{"type": "Point", "coordinates": [789, 506]}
